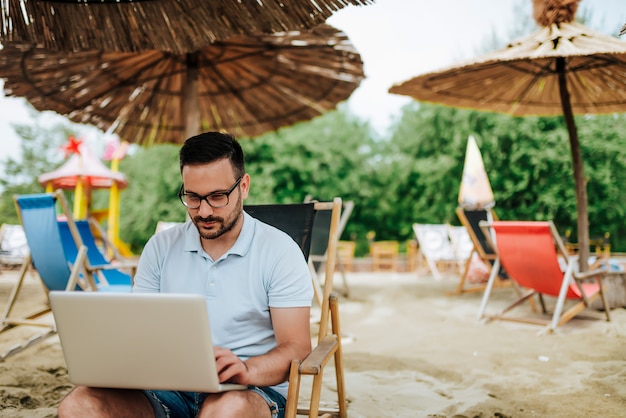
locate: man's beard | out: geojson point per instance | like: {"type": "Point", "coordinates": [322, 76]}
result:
{"type": "Point", "coordinates": [224, 225]}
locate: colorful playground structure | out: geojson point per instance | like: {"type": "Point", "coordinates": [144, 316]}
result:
{"type": "Point", "coordinates": [84, 172]}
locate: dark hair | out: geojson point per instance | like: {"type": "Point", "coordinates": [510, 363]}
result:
{"type": "Point", "coordinates": [212, 146]}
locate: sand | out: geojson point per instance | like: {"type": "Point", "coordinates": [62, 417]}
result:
{"type": "Point", "coordinates": [410, 350]}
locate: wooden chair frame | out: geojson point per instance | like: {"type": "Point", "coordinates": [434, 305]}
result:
{"type": "Point", "coordinates": [77, 275]}
{"type": "Point", "coordinates": [73, 273]}
{"type": "Point", "coordinates": [487, 255]}
{"type": "Point", "coordinates": [385, 255]}
{"type": "Point", "coordinates": [328, 341]}
{"type": "Point", "coordinates": [319, 252]}
{"type": "Point", "coordinates": [117, 271]}
{"type": "Point", "coordinates": [461, 244]}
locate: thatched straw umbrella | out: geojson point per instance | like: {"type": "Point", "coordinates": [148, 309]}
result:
{"type": "Point", "coordinates": [176, 26]}
{"type": "Point", "coordinates": [564, 68]}
{"type": "Point", "coordinates": [246, 85]}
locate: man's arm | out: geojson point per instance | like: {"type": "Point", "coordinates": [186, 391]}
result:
{"type": "Point", "coordinates": [293, 338]}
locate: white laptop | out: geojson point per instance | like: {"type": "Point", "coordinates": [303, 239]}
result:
{"type": "Point", "coordinates": [137, 340]}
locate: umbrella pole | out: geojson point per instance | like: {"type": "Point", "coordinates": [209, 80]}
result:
{"type": "Point", "coordinates": [579, 177]}
{"type": "Point", "coordinates": [191, 108]}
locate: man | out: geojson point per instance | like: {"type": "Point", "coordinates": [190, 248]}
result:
{"type": "Point", "coordinates": [256, 282]}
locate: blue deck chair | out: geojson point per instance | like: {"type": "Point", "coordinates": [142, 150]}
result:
{"type": "Point", "coordinates": [57, 269]}
{"type": "Point", "coordinates": [108, 276]}
{"type": "Point", "coordinates": [37, 215]}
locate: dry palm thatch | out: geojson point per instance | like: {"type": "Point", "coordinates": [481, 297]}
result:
{"type": "Point", "coordinates": [564, 68]}
{"type": "Point", "coordinates": [177, 26]}
{"type": "Point", "coordinates": [554, 12]}
{"type": "Point", "coordinates": [246, 85]}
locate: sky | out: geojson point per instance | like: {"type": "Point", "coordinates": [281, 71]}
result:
{"type": "Point", "coordinates": [397, 40]}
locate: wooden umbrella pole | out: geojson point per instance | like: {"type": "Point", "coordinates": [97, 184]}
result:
{"type": "Point", "coordinates": [192, 107]}
{"type": "Point", "coordinates": [579, 177]}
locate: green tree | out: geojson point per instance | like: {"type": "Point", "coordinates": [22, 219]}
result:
{"type": "Point", "coordinates": [527, 159]}
{"type": "Point", "coordinates": [331, 155]}
{"type": "Point", "coordinates": [151, 196]}
{"type": "Point", "coordinates": [40, 153]}
{"type": "Point", "coordinates": [412, 176]}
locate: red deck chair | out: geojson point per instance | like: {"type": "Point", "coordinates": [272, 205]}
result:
{"type": "Point", "coordinates": [534, 256]}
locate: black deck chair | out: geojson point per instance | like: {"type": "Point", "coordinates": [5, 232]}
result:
{"type": "Point", "coordinates": [471, 218]}
{"type": "Point", "coordinates": [319, 244]}
{"type": "Point", "coordinates": [299, 221]}
{"type": "Point", "coordinates": [294, 219]}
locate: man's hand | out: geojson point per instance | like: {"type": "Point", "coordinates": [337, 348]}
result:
{"type": "Point", "coordinates": [230, 368]}
{"type": "Point", "coordinates": [293, 341]}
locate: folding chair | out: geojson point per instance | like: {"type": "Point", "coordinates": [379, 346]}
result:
{"type": "Point", "coordinates": [535, 257]}
{"type": "Point", "coordinates": [434, 246]}
{"type": "Point", "coordinates": [461, 245]}
{"type": "Point", "coordinates": [108, 276]}
{"type": "Point", "coordinates": [470, 219]}
{"type": "Point", "coordinates": [37, 215]}
{"type": "Point", "coordinates": [345, 255]}
{"type": "Point", "coordinates": [112, 253]}
{"type": "Point", "coordinates": [319, 246]}
{"type": "Point", "coordinates": [384, 255]}
{"type": "Point", "coordinates": [298, 220]}
{"type": "Point", "coordinates": [328, 341]}
{"type": "Point", "coordinates": [57, 271]}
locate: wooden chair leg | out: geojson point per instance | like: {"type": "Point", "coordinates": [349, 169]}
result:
{"type": "Point", "coordinates": [461, 287]}
{"type": "Point", "coordinates": [339, 372]}
{"type": "Point", "coordinates": [316, 394]}
{"type": "Point", "coordinates": [15, 292]}
{"type": "Point", "coordinates": [542, 303]}
{"type": "Point", "coordinates": [293, 393]}
{"type": "Point", "coordinates": [606, 306]}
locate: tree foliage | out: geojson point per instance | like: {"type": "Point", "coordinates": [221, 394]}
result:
{"type": "Point", "coordinates": [151, 196]}
{"type": "Point", "coordinates": [39, 154]}
{"type": "Point", "coordinates": [332, 155]}
{"type": "Point", "coordinates": [528, 161]}
{"type": "Point", "coordinates": [412, 176]}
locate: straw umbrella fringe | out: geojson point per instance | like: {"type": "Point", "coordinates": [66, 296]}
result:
{"type": "Point", "coordinates": [177, 26]}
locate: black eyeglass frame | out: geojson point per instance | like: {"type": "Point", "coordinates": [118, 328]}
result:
{"type": "Point", "coordinates": [227, 193]}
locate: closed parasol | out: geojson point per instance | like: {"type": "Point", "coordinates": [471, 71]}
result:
{"type": "Point", "coordinates": [475, 192]}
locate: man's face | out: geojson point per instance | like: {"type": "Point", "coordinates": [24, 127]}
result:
{"type": "Point", "coordinates": [210, 179]}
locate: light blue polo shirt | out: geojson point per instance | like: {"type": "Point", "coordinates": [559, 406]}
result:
{"type": "Point", "coordinates": [264, 268]}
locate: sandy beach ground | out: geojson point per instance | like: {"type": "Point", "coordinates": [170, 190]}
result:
{"type": "Point", "coordinates": [410, 350]}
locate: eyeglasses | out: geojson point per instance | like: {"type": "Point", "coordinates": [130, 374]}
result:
{"type": "Point", "coordinates": [215, 199]}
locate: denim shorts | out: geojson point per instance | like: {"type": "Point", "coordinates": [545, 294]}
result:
{"type": "Point", "coordinates": [168, 404]}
